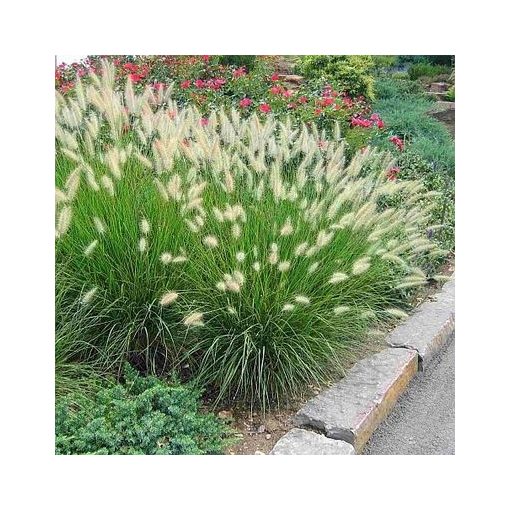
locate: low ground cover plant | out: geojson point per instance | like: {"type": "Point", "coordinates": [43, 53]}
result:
{"type": "Point", "coordinates": [140, 416]}
{"type": "Point", "coordinates": [427, 150]}
{"type": "Point", "coordinates": [245, 253]}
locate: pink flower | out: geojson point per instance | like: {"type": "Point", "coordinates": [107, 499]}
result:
{"type": "Point", "coordinates": [186, 84]}
{"type": "Point", "coordinates": [245, 102]}
{"type": "Point", "coordinates": [158, 85]}
{"type": "Point", "coordinates": [204, 121]}
{"type": "Point", "coordinates": [380, 124]}
{"type": "Point", "coordinates": [275, 89]}
{"type": "Point", "coordinates": [206, 58]}
{"type": "Point", "coordinates": [303, 100]}
{"type": "Point", "coordinates": [317, 111]}
{"type": "Point", "coordinates": [287, 93]}
{"type": "Point", "coordinates": [237, 73]}
{"type": "Point", "coordinates": [199, 84]}
{"type": "Point", "coordinates": [264, 108]}
{"type": "Point", "coordinates": [275, 77]}
{"type": "Point", "coordinates": [292, 105]}
{"type": "Point", "coordinates": [392, 173]}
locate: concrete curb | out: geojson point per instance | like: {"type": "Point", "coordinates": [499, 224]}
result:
{"type": "Point", "coordinates": [350, 410]}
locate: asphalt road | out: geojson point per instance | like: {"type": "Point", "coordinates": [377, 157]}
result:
{"type": "Point", "coordinates": [423, 421]}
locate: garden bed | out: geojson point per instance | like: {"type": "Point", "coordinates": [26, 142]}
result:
{"type": "Point", "coordinates": [244, 244]}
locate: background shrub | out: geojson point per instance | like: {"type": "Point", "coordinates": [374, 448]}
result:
{"type": "Point", "coordinates": [351, 73]}
{"type": "Point", "coordinates": [450, 93]}
{"type": "Point", "coordinates": [142, 416]}
{"type": "Point", "coordinates": [425, 69]}
{"type": "Point", "coordinates": [247, 61]}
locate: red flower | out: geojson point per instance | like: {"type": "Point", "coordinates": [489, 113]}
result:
{"type": "Point", "coordinates": [206, 58]}
{"type": "Point", "coordinates": [398, 142]}
{"type": "Point", "coordinates": [264, 108]}
{"type": "Point", "coordinates": [380, 124]}
{"type": "Point", "coordinates": [275, 89]}
{"type": "Point", "coordinates": [359, 121]}
{"type": "Point", "coordinates": [245, 102]}
{"type": "Point", "coordinates": [287, 93]}
{"type": "Point", "coordinates": [303, 100]}
{"type": "Point", "coordinates": [317, 111]}
{"type": "Point", "coordinates": [326, 101]}
{"type": "Point", "coordinates": [204, 121]}
{"type": "Point", "coordinates": [199, 84]}
{"type": "Point", "coordinates": [186, 84]}
{"type": "Point", "coordinates": [130, 67]}
{"type": "Point", "coordinates": [135, 77]}
{"type": "Point", "coordinates": [392, 173]}
{"type": "Point", "coordinates": [275, 77]}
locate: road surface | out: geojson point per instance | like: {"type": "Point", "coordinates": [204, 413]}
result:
{"type": "Point", "coordinates": [423, 421]}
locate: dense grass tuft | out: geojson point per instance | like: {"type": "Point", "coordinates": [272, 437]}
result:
{"type": "Point", "coordinates": [246, 254]}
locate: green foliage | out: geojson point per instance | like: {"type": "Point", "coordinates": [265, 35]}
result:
{"type": "Point", "coordinates": [437, 176]}
{"type": "Point", "coordinates": [384, 61]}
{"type": "Point", "coordinates": [391, 88]}
{"type": "Point", "coordinates": [400, 75]}
{"type": "Point", "coordinates": [247, 61]}
{"type": "Point", "coordinates": [356, 139]}
{"type": "Point", "coordinates": [450, 93]}
{"type": "Point", "coordinates": [425, 69]}
{"type": "Point", "coordinates": [142, 416]}
{"type": "Point", "coordinates": [430, 149]}
{"type": "Point", "coordinates": [442, 60]}
{"type": "Point", "coordinates": [351, 73]}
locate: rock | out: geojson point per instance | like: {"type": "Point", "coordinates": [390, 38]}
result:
{"type": "Point", "coordinates": [429, 327]}
{"type": "Point", "coordinates": [292, 78]}
{"type": "Point", "coordinates": [261, 429]}
{"type": "Point", "coordinates": [268, 436]}
{"type": "Point", "coordinates": [352, 409]}
{"type": "Point", "coordinates": [272, 424]}
{"type": "Point", "coordinates": [258, 452]}
{"type": "Point", "coordinates": [438, 87]}
{"type": "Point", "coordinates": [225, 415]}
{"type": "Point", "coordinates": [304, 442]}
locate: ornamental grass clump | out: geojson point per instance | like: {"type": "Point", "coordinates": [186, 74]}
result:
{"type": "Point", "coordinates": [247, 252]}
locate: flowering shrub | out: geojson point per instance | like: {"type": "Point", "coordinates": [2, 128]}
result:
{"type": "Point", "coordinates": [241, 250]}
{"type": "Point", "coordinates": [208, 85]}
